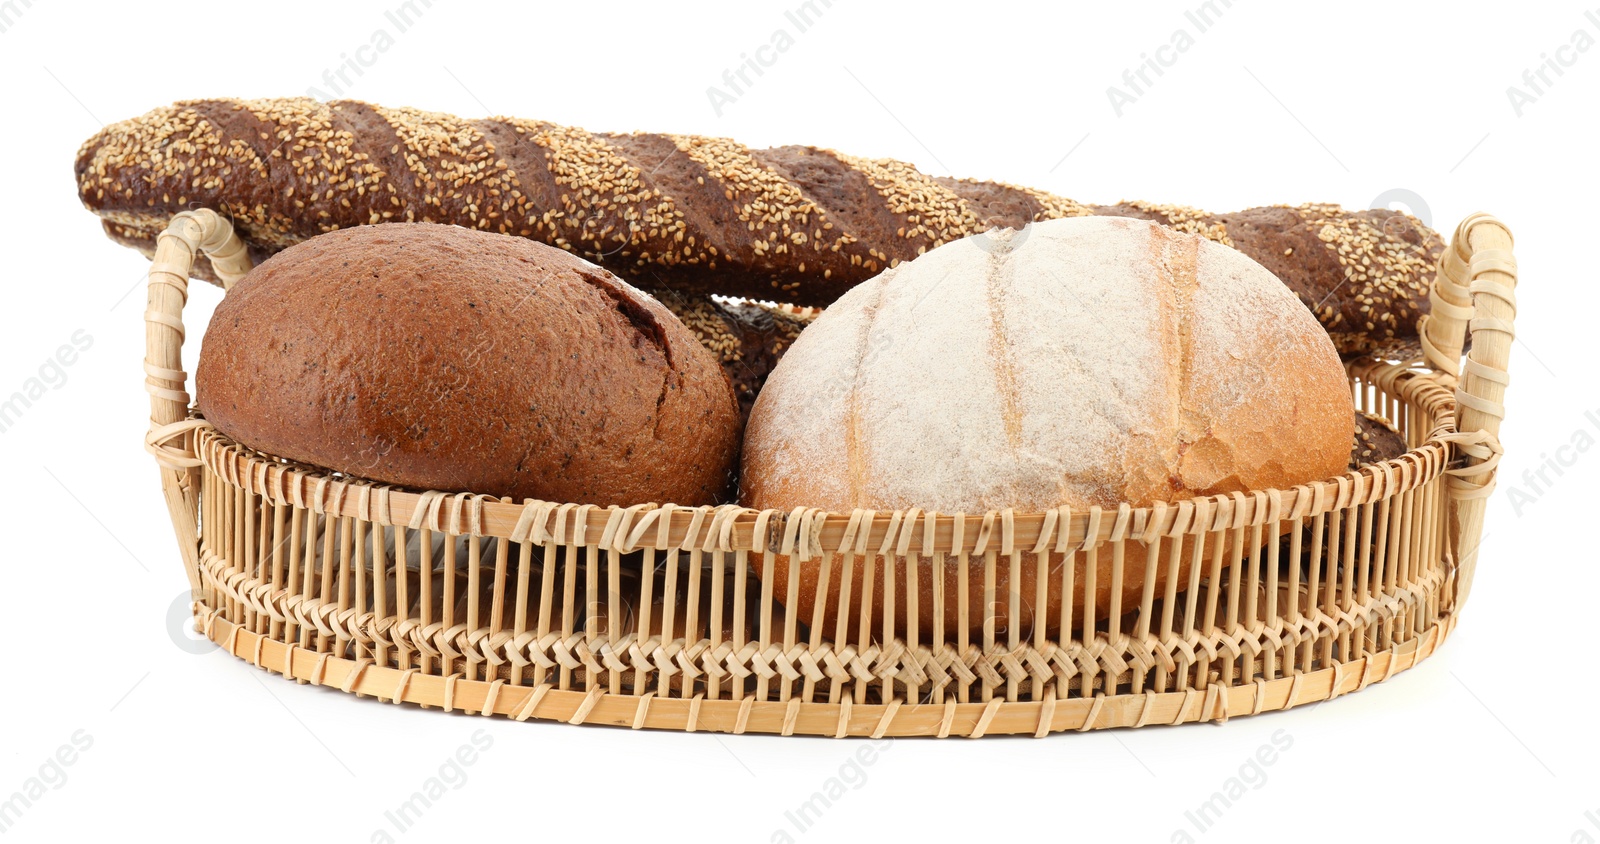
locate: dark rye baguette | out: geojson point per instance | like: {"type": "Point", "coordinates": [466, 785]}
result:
{"type": "Point", "coordinates": [747, 337]}
{"type": "Point", "coordinates": [702, 215]}
{"type": "Point", "coordinates": [1375, 441]}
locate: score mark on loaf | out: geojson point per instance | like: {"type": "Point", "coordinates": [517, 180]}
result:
{"type": "Point", "coordinates": [1093, 362]}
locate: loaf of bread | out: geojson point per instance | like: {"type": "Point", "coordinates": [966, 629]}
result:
{"type": "Point", "coordinates": [1375, 441]}
{"type": "Point", "coordinates": [747, 337]}
{"type": "Point", "coordinates": [1093, 362]}
{"type": "Point", "coordinates": [438, 357]}
{"type": "Point", "coordinates": [706, 215]}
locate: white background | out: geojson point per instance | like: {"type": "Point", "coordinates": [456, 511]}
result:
{"type": "Point", "coordinates": [1493, 738]}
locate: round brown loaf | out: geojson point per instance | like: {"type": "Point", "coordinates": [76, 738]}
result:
{"type": "Point", "coordinates": [438, 357]}
{"type": "Point", "coordinates": [1087, 361]}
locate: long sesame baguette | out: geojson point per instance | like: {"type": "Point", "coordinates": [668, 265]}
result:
{"type": "Point", "coordinates": [1374, 442]}
{"type": "Point", "coordinates": [1365, 274]}
{"type": "Point", "coordinates": [701, 215]}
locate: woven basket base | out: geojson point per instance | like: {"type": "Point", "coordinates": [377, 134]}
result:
{"type": "Point", "coordinates": [972, 720]}
{"type": "Point", "coordinates": [281, 556]}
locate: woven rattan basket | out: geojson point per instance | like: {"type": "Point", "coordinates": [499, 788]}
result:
{"type": "Point", "coordinates": [670, 617]}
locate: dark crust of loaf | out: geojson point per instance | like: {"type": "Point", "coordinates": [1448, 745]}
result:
{"type": "Point", "coordinates": [700, 215]}
{"type": "Point", "coordinates": [1375, 441]}
{"type": "Point", "coordinates": [747, 338]}
{"type": "Point", "coordinates": [1365, 274]}
{"type": "Point", "coordinates": [438, 357]}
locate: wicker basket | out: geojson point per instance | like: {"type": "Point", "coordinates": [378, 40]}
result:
{"type": "Point", "coordinates": [557, 611]}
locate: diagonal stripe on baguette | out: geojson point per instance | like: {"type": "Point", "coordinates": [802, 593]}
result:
{"type": "Point", "coordinates": [693, 214]}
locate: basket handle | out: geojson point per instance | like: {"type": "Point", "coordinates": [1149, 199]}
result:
{"type": "Point", "coordinates": [171, 435]}
{"type": "Point", "coordinates": [1482, 246]}
{"type": "Point", "coordinates": [1443, 330]}
{"type": "Point", "coordinates": [165, 381]}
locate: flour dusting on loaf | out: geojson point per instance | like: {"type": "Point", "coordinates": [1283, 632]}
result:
{"type": "Point", "coordinates": [1078, 361]}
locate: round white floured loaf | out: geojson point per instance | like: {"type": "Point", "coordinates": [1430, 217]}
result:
{"type": "Point", "coordinates": [1078, 361]}
{"type": "Point", "coordinates": [1084, 361]}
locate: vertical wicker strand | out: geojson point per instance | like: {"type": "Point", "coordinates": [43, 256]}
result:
{"type": "Point", "coordinates": [1013, 618]}
{"type": "Point", "coordinates": [1252, 604]}
{"type": "Point", "coordinates": [912, 560]}
{"type": "Point", "coordinates": [401, 615]}
{"type": "Point", "coordinates": [571, 625]}
{"type": "Point", "coordinates": [669, 607]}
{"type": "Point", "coordinates": [341, 642]}
{"type": "Point", "coordinates": [427, 600]}
{"type": "Point", "coordinates": [363, 591]}
{"type": "Point", "coordinates": [1070, 558]}
{"type": "Point", "coordinates": [616, 608]}
{"type": "Point", "coordinates": [963, 610]}
{"type": "Point", "coordinates": [316, 525]}
{"type": "Point", "coordinates": [647, 638]}
{"type": "Point", "coordinates": [740, 633]}
{"type": "Point", "coordinates": [550, 565]}
{"type": "Point", "coordinates": [330, 537]}
{"type": "Point", "coordinates": [447, 598]}
{"type": "Point", "coordinates": [1091, 575]}
{"type": "Point", "coordinates": [1235, 574]}
{"type": "Point", "coordinates": [1169, 597]}
{"type": "Point", "coordinates": [380, 594]}
{"type": "Point", "coordinates": [1217, 538]}
{"type": "Point", "coordinates": [521, 614]}
{"type": "Point", "coordinates": [1297, 609]}
{"type": "Point", "coordinates": [692, 616]}
{"type": "Point", "coordinates": [291, 583]}
{"type": "Point", "coordinates": [497, 598]}
{"type": "Point", "coordinates": [1273, 621]}
{"type": "Point", "coordinates": [1151, 537]}
{"type": "Point", "coordinates": [938, 577]}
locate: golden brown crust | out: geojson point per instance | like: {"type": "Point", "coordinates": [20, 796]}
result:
{"type": "Point", "coordinates": [1374, 441]}
{"type": "Point", "coordinates": [441, 358]}
{"type": "Point", "coordinates": [1364, 274]}
{"type": "Point", "coordinates": [1172, 381]}
{"type": "Point", "coordinates": [1193, 374]}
